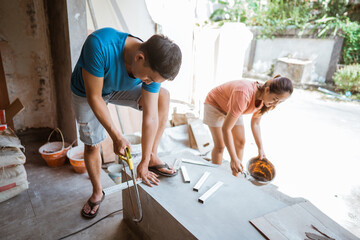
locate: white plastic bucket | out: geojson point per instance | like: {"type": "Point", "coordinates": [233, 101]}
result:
{"type": "Point", "coordinates": [76, 158]}
{"type": "Point", "coordinates": [115, 172]}
{"type": "Point", "coordinates": [135, 142]}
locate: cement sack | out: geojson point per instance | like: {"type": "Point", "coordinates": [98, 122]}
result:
{"type": "Point", "coordinates": [9, 139]}
{"type": "Point", "coordinates": [11, 156]}
{"type": "Point", "coordinates": [13, 181]}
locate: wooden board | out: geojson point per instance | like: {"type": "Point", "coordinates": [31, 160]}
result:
{"type": "Point", "coordinates": [4, 96]}
{"type": "Point", "coordinates": [178, 119]}
{"type": "Point", "coordinates": [292, 222]}
{"type": "Point", "coordinates": [14, 108]}
{"type": "Point", "coordinates": [107, 150]}
{"type": "Point", "coordinates": [191, 138]}
{"type": "Point", "coordinates": [131, 119]}
{"type": "Point", "coordinates": [201, 135]}
{"type": "Point", "coordinates": [107, 146]}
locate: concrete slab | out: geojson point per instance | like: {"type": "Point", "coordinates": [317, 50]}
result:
{"type": "Point", "coordinates": [13, 210]}
{"type": "Point", "coordinates": [72, 221]}
{"type": "Point", "coordinates": [21, 229]}
{"type": "Point", "coordinates": [172, 210]}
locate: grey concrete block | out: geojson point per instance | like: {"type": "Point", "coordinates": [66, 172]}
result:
{"type": "Point", "coordinates": [297, 70]}
{"type": "Point", "coordinates": [172, 211]}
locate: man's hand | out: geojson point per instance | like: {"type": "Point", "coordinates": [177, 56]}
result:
{"type": "Point", "coordinates": [236, 167]}
{"type": "Point", "coordinates": [120, 143]}
{"type": "Point", "coordinates": [146, 175]}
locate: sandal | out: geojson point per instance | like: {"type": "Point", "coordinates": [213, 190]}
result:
{"type": "Point", "coordinates": [92, 205]}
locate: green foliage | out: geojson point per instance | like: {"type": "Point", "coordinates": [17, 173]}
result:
{"type": "Point", "coordinates": [351, 47]}
{"type": "Point", "coordinates": [236, 11]}
{"type": "Point", "coordinates": [321, 18]}
{"type": "Point", "coordinates": [348, 78]}
{"type": "Point", "coordinates": [277, 16]}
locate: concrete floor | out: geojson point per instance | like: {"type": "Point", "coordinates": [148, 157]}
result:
{"type": "Point", "coordinates": [50, 208]}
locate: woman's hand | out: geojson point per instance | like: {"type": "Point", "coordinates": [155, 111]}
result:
{"type": "Point", "coordinates": [236, 167]}
{"type": "Point", "coordinates": [261, 154]}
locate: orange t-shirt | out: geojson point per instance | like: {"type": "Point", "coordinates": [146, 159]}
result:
{"type": "Point", "coordinates": [235, 97]}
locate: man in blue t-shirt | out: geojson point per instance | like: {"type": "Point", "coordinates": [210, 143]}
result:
{"type": "Point", "coordinates": [116, 67]}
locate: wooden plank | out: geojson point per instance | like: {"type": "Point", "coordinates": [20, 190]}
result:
{"type": "Point", "coordinates": [14, 108]}
{"type": "Point", "coordinates": [107, 150]}
{"type": "Point", "coordinates": [107, 146]}
{"type": "Point", "coordinates": [268, 230]}
{"type": "Point", "coordinates": [4, 96]}
{"type": "Point", "coordinates": [328, 222]}
{"type": "Point", "coordinates": [201, 135]}
{"type": "Point", "coordinates": [114, 116]}
{"type": "Point", "coordinates": [191, 138]}
{"type": "Point", "coordinates": [190, 117]}
{"type": "Point", "coordinates": [131, 119]}
{"type": "Point", "coordinates": [178, 119]}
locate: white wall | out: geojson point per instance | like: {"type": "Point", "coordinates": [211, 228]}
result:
{"type": "Point", "coordinates": [109, 13]}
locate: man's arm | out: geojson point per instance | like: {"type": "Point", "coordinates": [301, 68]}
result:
{"type": "Point", "coordinates": [255, 128]}
{"type": "Point", "coordinates": [149, 127]}
{"type": "Point", "coordinates": [93, 88]}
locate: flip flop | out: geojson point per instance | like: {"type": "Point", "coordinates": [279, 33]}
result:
{"type": "Point", "coordinates": [92, 205]}
{"type": "Point", "coordinates": [156, 170]}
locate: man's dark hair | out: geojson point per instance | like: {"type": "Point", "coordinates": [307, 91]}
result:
{"type": "Point", "coordinates": [162, 55]}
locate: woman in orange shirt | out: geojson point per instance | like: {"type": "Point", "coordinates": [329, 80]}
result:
{"type": "Point", "coordinates": [223, 110]}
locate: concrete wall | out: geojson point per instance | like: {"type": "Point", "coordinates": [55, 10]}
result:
{"type": "Point", "coordinates": [40, 42]}
{"type": "Point", "coordinates": [25, 49]}
{"type": "Point", "coordinates": [317, 50]}
{"type": "Point", "coordinates": [324, 53]}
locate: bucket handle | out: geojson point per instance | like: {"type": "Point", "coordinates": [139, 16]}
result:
{"type": "Point", "coordinates": [62, 137]}
{"type": "Point", "coordinates": [73, 143]}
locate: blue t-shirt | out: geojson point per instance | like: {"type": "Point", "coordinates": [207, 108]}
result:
{"type": "Point", "coordinates": [102, 55]}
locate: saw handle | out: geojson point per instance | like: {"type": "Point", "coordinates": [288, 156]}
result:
{"type": "Point", "coordinates": [127, 158]}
